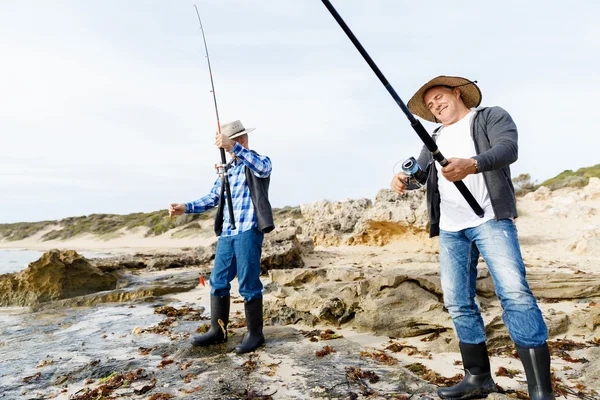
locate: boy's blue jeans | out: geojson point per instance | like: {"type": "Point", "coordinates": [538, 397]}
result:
{"type": "Point", "coordinates": [498, 244]}
{"type": "Point", "coordinates": [238, 255]}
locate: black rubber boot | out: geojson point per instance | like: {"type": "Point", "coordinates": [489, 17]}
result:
{"type": "Point", "coordinates": [536, 361]}
{"type": "Point", "coordinates": [254, 321]}
{"type": "Point", "coordinates": [478, 382]}
{"type": "Point", "coordinates": [219, 310]}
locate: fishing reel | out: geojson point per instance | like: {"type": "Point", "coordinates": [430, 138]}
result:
{"type": "Point", "coordinates": [221, 168]}
{"type": "Point", "coordinates": [414, 172]}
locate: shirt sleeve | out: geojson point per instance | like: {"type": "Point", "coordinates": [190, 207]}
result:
{"type": "Point", "coordinates": [424, 160]}
{"type": "Point", "coordinates": [259, 165]}
{"type": "Point", "coordinates": [503, 137]}
{"type": "Point", "coordinates": [206, 202]}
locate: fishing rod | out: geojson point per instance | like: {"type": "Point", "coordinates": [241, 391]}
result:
{"type": "Point", "coordinates": [223, 167]}
{"type": "Point", "coordinates": [427, 140]}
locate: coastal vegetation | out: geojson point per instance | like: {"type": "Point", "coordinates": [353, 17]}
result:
{"type": "Point", "coordinates": [570, 178]}
{"type": "Point", "coordinates": [156, 223]}
{"type": "Point", "coordinates": [109, 225]}
{"type": "Point", "coordinates": [567, 178]}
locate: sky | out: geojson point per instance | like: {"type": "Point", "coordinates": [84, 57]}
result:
{"type": "Point", "coordinates": [105, 106]}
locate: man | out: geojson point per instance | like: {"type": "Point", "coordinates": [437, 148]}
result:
{"type": "Point", "coordinates": [238, 250]}
{"type": "Point", "coordinates": [483, 144]}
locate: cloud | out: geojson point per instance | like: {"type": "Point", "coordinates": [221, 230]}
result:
{"type": "Point", "coordinates": [105, 106]}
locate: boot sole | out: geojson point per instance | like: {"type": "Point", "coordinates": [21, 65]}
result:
{"type": "Point", "coordinates": [477, 395]}
{"type": "Point", "coordinates": [209, 343]}
{"type": "Point", "coordinates": [239, 350]}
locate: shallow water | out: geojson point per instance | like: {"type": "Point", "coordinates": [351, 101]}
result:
{"type": "Point", "coordinates": [69, 340]}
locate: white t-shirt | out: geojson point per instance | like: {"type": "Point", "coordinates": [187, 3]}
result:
{"type": "Point", "coordinates": [455, 141]}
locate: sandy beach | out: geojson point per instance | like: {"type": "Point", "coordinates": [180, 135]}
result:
{"type": "Point", "coordinates": [123, 242]}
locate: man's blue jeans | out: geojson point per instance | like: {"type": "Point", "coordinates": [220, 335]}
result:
{"type": "Point", "coordinates": [238, 255]}
{"type": "Point", "coordinates": [498, 244]}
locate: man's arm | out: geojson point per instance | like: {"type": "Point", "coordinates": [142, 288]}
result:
{"type": "Point", "coordinates": [259, 165]}
{"type": "Point", "coordinates": [424, 158]}
{"type": "Point", "coordinates": [503, 136]}
{"type": "Point", "coordinates": [206, 202]}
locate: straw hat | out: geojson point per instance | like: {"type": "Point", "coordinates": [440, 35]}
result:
{"type": "Point", "coordinates": [469, 92]}
{"type": "Point", "coordinates": [234, 129]}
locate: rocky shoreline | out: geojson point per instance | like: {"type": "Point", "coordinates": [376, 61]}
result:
{"type": "Point", "coordinates": [353, 309]}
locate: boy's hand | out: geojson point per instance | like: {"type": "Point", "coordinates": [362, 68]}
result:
{"type": "Point", "coordinates": [177, 209]}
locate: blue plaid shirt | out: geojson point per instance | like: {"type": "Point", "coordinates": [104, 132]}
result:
{"type": "Point", "coordinates": [243, 210]}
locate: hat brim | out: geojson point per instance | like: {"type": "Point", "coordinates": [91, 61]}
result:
{"type": "Point", "coordinates": [469, 91]}
{"type": "Point", "coordinates": [241, 133]}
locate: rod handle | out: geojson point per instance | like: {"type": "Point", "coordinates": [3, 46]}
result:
{"type": "Point", "coordinates": [227, 189]}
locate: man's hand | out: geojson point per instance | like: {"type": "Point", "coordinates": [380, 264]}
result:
{"type": "Point", "coordinates": [177, 209]}
{"type": "Point", "coordinates": [458, 169]}
{"type": "Point", "coordinates": [397, 184]}
{"type": "Point", "coordinates": [222, 141]}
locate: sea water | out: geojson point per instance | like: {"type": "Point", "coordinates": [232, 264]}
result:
{"type": "Point", "coordinates": [15, 260]}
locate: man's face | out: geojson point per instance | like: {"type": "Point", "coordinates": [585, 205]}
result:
{"type": "Point", "coordinates": [444, 103]}
{"type": "Point", "coordinates": [242, 140]}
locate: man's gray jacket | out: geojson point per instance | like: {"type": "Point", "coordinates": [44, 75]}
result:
{"type": "Point", "coordinates": [495, 136]}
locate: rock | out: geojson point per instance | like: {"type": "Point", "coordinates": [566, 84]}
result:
{"type": "Point", "coordinates": [207, 253]}
{"type": "Point", "coordinates": [312, 277]}
{"type": "Point", "coordinates": [289, 223]}
{"type": "Point", "coordinates": [565, 205]}
{"type": "Point", "coordinates": [336, 311]}
{"type": "Point", "coordinates": [497, 333]}
{"type": "Point", "coordinates": [587, 319]}
{"type": "Point", "coordinates": [543, 193]}
{"type": "Point", "coordinates": [298, 277]}
{"type": "Point", "coordinates": [587, 242]}
{"type": "Point", "coordinates": [358, 222]}
{"type": "Point", "coordinates": [407, 210]}
{"type": "Point", "coordinates": [594, 318]}
{"type": "Point", "coordinates": [158, 262]}
{"type": "Point", "coordinates": [380, 233]}
{"type": "Point", "coordinates": [327, 222]}
{"type": "Point", "coordinates": [402, 309]}
{"type": "Point", "coordinates": [485, 284]}
{"type": "Point", "coordinates": [117, 263]}
{"type": "Point", "coordinates": [334, 302]}
{"type": "Point", "coordinates": [590, 372]}
{"type": "Point", "coordinates": [281, 250]}
{"type": "Point", "coordinates": [563, 285]}
{"type": "Point", "coordinates": [277, 313]}
{"type": "Point", "coordinates": [307, 244]}
{"type": "Point", "coordinates": [161, 263]}
{"type": "Point", "coordinates": [399, 303]}
{"type": "Point", "coordinates": [135, 292]}
{"type": "Point", "coordinates": [592, 190]}
{"type": "Point", "coordinates": [498, 396]}
{"type": "Point", "coordinates": [394, 217]}
{"type": "Point", "coordinates": [56, 275]}
{"type": "Point", "coordinates": [389, 303]}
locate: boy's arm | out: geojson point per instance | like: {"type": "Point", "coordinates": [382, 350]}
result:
{"type": "Point", "coordinates": [206, 202]}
